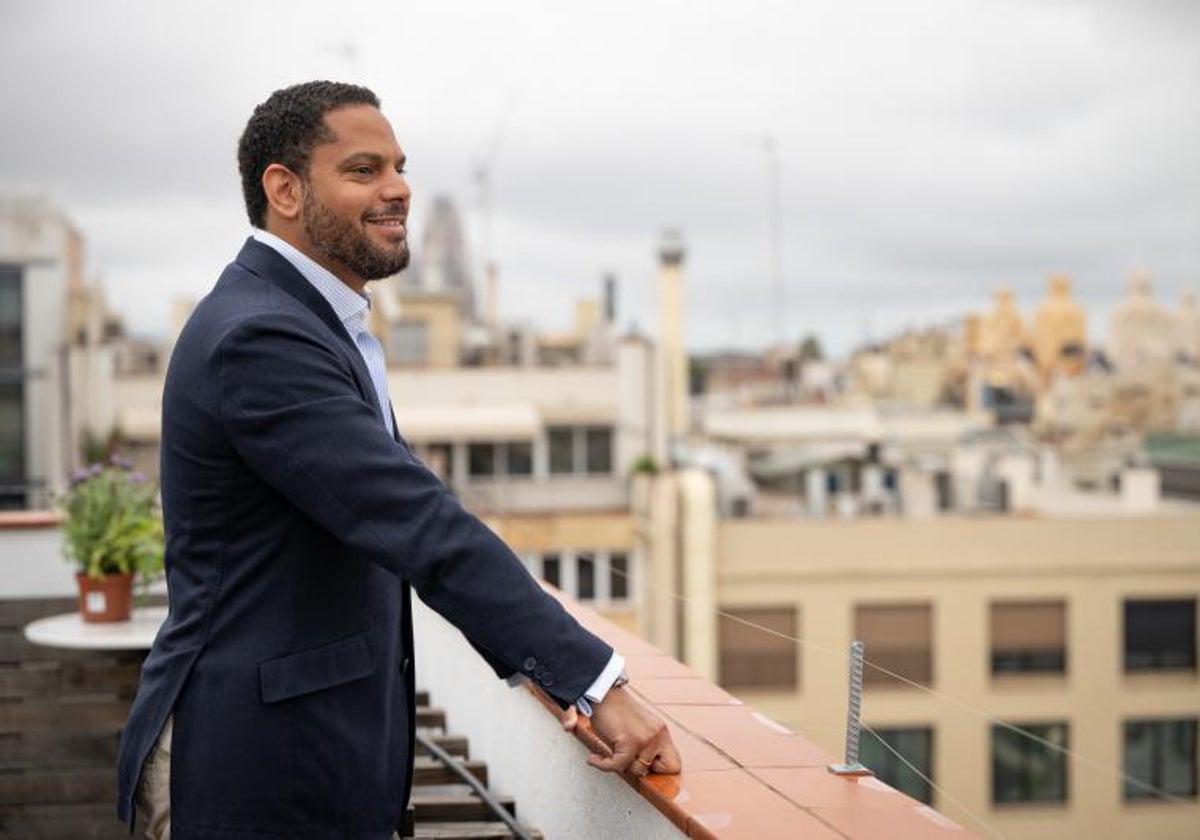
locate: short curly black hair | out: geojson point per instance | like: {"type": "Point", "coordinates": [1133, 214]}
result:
{"type": "Point", "coordinates": [284, 130]}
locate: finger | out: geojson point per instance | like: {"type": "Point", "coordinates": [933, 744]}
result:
{"type": "Point", "coordinates": [620, 759]}
{"type": "Point", "coordinates": [569, 719]}
{"type": "Point", "coordinates": [608, 764]}
{"type": "Point", "coordinates": [641, 765]}
{"type": "Point", "coordinates": [667, 759]}
{"type": "Point", "coordinates": [666, 764]}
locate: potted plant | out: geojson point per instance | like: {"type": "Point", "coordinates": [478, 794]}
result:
{"type": "Point", "coordinates": [113, 532]}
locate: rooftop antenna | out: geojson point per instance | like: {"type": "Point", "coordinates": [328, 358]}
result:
{"type": "Point", "coordinates": [482, 176]}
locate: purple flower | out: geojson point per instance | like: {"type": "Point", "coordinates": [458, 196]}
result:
{"type": "Point", "coordinates": [78, 477]}
{"type": "Point", "coordinates": [137, 478]}
{"type": "Point", "coordinates": [95, 469]}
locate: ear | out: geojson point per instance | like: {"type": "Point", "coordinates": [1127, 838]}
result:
{"type": "Point", "coordinates": [284, 190]}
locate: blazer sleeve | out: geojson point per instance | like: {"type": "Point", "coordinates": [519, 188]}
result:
{"type": "Point", "coordinates": [292, 411]}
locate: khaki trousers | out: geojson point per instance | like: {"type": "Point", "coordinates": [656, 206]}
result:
{"type": "Point", "coordinates": [154, 792]}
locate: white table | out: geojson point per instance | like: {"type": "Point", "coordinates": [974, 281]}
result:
{"type": "Point", "coordinates": [71, 631]}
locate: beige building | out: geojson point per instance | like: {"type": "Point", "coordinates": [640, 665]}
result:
{"type": "Point", "coordinates": [1078, 626]}
{"type": "Point", "coordinates": [58, 347]}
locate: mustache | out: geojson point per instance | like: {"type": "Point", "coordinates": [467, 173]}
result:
{"type": "Point", "coordinates": [396, 208]}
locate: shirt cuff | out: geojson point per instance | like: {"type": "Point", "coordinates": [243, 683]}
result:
{"type": "Point", "coordinates": [596, 691]}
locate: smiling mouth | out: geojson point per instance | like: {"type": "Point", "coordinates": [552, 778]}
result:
{"type": "Point", "coordinates": [390, 223]}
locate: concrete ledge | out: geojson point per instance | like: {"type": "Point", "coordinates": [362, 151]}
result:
{"type": "Point", "coordinates": [745, 776]}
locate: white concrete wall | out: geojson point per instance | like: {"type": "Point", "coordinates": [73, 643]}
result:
{"type": "Point", "coordinates": [636, 424]}
{"type": "Point", "coordinates": [529, 756]}
{"type": "Point", "coordinates": [544, 387]}
{"type": "Point", "coordinates": [32, 564]}
{"type": "Point", "coordinates": [527, 495]}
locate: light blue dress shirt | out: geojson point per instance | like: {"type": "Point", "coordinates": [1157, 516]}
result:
{"type": "Point", "coordinates": [350, 307]}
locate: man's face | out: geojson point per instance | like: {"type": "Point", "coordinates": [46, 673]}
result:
{"type": "Point", "coordinates": [356, 198]}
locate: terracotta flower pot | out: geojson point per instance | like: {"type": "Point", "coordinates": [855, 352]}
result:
{"type": "Point", "coordinates": [105, 599]}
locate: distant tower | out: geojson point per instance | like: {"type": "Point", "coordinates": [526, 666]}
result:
{"type": "Point", "coordinates": [1060, 332]}
{"type": "Point", "coordinates": [672, 354]}
{"type": "Point", "coordinates": [1140, 330]}
{"type": "Point", "coordinates": [610, 298]}
{"type": "Point", "coordinates": [443, 259]}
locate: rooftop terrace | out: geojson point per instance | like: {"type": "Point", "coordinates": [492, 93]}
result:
{"type": "Point", "coordinates": [745, 776]}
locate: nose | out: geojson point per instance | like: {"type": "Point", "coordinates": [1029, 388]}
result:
{"type": "Point", "coordinates": [396, 189]}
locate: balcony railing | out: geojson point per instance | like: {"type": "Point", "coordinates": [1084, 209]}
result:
{"type": "Point", "coordinates": [744, 776]}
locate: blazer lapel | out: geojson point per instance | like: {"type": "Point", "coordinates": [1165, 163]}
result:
{"type": "Point", "coordinates": [270, 265]}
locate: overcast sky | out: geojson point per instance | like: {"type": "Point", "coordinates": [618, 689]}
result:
{"type": "Point", "coordinates": [930, 150]}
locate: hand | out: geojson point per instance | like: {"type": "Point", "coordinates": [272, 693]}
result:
{"type": "Point", "coordinates": [640, 742]}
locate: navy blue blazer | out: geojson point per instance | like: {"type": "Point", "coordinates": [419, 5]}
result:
{"type": "Point", "coordinates": [295, 525]}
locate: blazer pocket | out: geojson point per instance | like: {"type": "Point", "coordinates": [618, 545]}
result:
{"type": "Point", "coordinates": [315, 669]}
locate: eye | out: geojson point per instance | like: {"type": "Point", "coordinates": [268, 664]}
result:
{"type": "Point", "coordinates": [363, 169]}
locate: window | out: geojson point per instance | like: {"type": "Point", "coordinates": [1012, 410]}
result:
{"type": "Point", "coordinates": [618, 576]}
{"type": "Point", "coordinates": [1029, 637]}
{"type": "Point", "coordinates": [519, 458]}
{"type": "Point", "coordinates": [1160, 635]}
{"type": "Point", "coordinates": [585, 576]}
{"type": "Point", "coordinates": [12, 447]}
{"type": "Point", "coordinates": [410, 343]}
{"type": "Point", "coordinates": [599, 450]}
{"type": "Point", "coordinates": [12, 354]}
{"type": "Point", "coordinates": [552, 569]}
{"type": "Point", "coordinates": [12, 390]}
{"type": "Point", "coordinates": [562, 451]}
{"type": "Point", "coordinates": [1025, 770]}
{"type": "Point", "coordinates": [915, 745]}
{"type": "Point", "coordinates": [1162, 754]}
{"type": "Point", "coordinates": [754, 658]}
{"type": "Point", "coordinates": [898, 638]}
{"type": "Point", "coordinates": [481, 460]}
{"type": "Point", "coordinates": [581, 451]}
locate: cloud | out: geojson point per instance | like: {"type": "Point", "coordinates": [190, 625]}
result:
{"type": "Point", "coordinates": [929, 151]}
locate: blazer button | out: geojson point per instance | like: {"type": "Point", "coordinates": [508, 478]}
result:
{"type": "Point", "coordinates": [529, 664]}
{"type": "Point", "coordinates": [548, 680]}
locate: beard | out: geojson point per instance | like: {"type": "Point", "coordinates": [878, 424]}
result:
{"type": "Point", "coordinates": [340, 241]}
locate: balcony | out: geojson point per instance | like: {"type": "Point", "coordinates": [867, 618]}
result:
{"type": "Point", "coordinates": [744, 775]}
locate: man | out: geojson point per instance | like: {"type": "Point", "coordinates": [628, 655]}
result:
{"type": "Point", "coordinates": [278, 698]}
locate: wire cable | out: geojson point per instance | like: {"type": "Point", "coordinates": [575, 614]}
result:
{"type": "Point", "coordinates": [933, 785]}
{"type": "Point", "coordinates": [979, 713]}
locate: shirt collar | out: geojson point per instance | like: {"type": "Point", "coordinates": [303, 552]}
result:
{"type": "Point", "coordinates": [349, 306]}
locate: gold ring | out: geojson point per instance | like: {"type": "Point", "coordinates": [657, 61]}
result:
{"type": "Point", "coordinates": [641, 760]}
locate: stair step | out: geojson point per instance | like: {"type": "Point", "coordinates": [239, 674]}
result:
{"type": "Point", "coordinates": [468, 831]}
{"type": "Point", "coordinates": [449, 803]}
{"type": "Point", "coordinates": [431, 718]}
{"type": "Point", "coordinates": [453, 744]}
{"type": "Point", "coordinates": [428, 770]}
{"type": "Point", "coordinates": [422, 697]}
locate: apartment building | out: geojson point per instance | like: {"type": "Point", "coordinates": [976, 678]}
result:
{"type": "Point", "coordinates": [544, 456]}
{"type": "Point", "coordinates": [1078, 628]}
{"type": "Point", "coordinates": [41, 265]}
